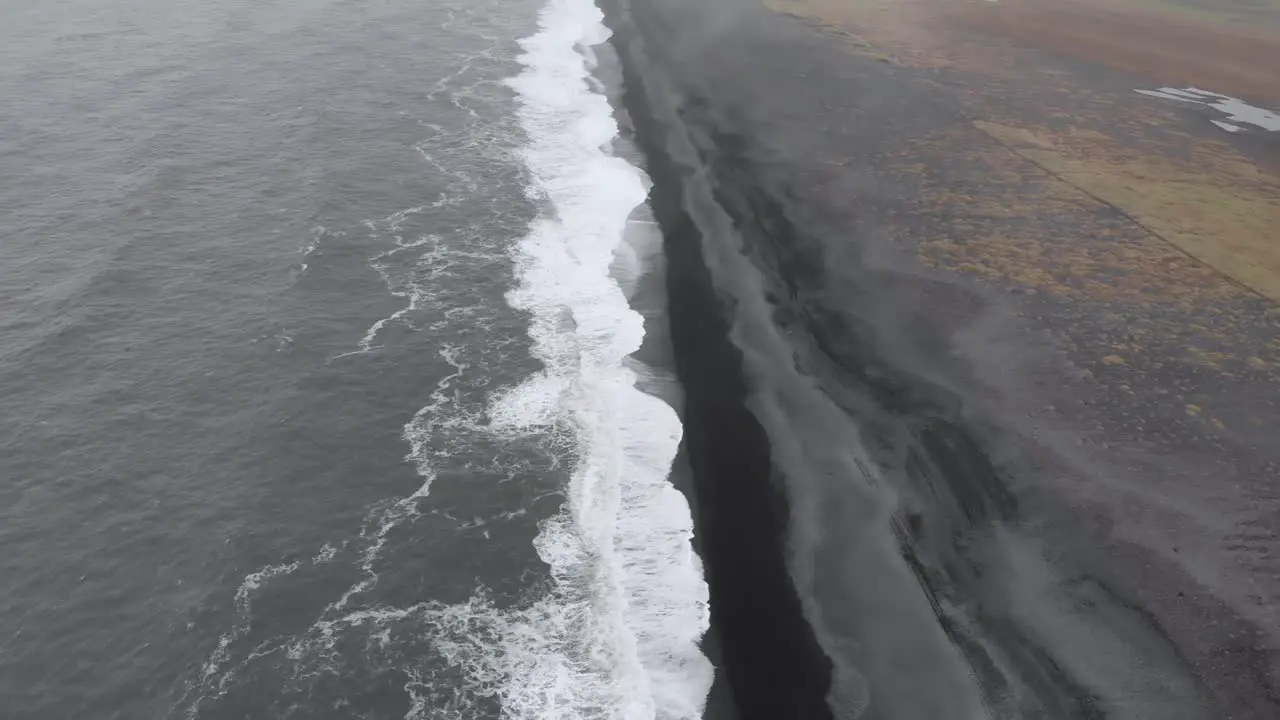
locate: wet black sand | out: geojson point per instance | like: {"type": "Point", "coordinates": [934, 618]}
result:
{"type": "Point", "coordinates": [907, 497]}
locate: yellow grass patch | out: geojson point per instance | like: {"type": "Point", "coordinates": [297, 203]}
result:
{"type": "Point", "coordinates": [1216, 208]}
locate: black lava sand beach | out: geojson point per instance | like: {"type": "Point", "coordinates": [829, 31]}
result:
{"type": "Point", "coordinates": [981, 357]}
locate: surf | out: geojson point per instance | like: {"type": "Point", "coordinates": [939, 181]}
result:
{"type": "Point", "coordinates": [618, 635]}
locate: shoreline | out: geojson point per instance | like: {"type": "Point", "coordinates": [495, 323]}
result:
{"type": "Point", "coordinates": [758, 629]}
{"type": "Point", "coordinates": [968, 321]}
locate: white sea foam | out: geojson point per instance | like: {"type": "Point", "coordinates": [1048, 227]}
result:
{"type": "Point", "coordinates": [619, 635]}
{"type": "Point", "coordinates": [215, 674]}
{"type": "Point", "coordinates": [392, 225]}
{"type": "Point", "coordinates": [312, 244]}
{"type": "Point", "coordinates": [616, 635]}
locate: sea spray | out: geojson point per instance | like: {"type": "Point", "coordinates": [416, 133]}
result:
{"type": "Point", "coordinates": [629, 604]}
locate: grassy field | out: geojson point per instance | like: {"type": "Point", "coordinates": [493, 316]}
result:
{"type": "Point", "coordinates": [1194, 192]}
{"type": "Point", "coordinates": [1216, 208]}
{"type": "Point", "coordinates": [1231, 11]}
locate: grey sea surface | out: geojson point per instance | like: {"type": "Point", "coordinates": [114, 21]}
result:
{"type": "Point", "coordinates": [253, 265]}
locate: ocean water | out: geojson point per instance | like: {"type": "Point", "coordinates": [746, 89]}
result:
{"type": "Point", "coordinates": [334, 369]}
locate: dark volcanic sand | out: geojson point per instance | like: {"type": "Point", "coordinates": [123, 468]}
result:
{"type": "Point", "coordinates": [944, 492]}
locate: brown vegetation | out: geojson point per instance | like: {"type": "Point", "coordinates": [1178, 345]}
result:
{"type": "Point", "coordinates": [1167, 43]}
{"type": "Point", "coordinates": [1216, 208]}
{"type": "Point", "coordinates": [1067, 184]}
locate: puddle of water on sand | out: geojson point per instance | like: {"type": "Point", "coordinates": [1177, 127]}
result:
{"type": "Point", "coordinates": [1237, 111]}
